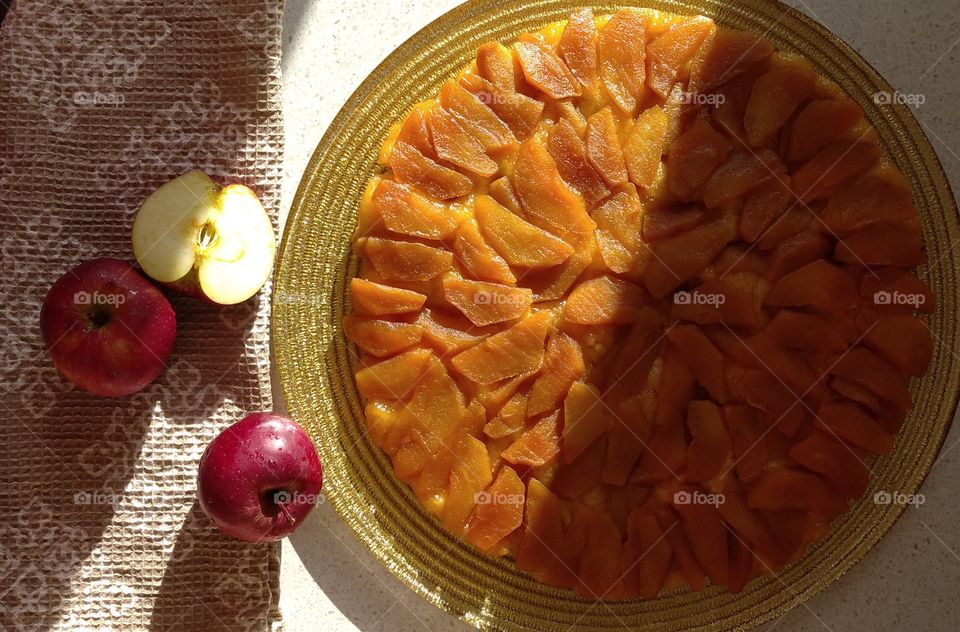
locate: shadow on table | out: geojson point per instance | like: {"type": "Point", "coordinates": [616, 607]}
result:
{"type": "Point", "coordinates": [202, 590]}
{"type": "Point", "coordinates": [365, 592]}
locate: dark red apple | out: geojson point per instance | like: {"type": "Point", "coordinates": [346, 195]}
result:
{"type": "Point", "coordinates": [107, 328]}
{"type": "Point", "coordinates": [260, 478]}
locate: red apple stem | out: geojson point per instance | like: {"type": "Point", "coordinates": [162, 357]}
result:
{"type": "Point", "coordinates": [286, 512]}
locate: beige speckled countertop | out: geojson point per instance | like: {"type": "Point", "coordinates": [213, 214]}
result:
{"type": "Point", "coordinates": [910, 581]}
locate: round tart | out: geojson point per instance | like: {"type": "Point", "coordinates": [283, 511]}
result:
{"type": "Point", "coordinates": [635, 303]}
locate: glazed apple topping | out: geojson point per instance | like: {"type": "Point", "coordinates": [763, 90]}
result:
{"type": "Point", "coordinates": [635, 303]}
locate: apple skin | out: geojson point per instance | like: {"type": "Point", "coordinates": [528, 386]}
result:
{"type": "Point", "coordinates": [259, 478]}
{"type": "Point", "coordinates": [189, 285]}
{"type": "Point", "coordinates": [107, 328]}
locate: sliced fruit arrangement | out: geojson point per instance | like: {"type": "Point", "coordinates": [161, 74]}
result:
{"type": "Point", "coordinates": [635, 304]}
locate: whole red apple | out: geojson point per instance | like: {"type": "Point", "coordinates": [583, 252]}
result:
{"type": "Point", "coordinates": [107, 328]}
{"type": "Point", "coordinates": [260, 478]}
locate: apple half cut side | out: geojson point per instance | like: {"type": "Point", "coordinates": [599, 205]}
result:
{"type": "Point", "coordinates": [205, 240]}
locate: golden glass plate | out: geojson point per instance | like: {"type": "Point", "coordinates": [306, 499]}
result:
{"type": "Point", "coordinates": [316, 372]}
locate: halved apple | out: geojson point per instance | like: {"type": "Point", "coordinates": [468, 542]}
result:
{"type": "Point", "coordinates": [205, 240]}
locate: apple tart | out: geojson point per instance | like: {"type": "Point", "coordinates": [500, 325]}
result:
{"type": "Point", "coordinates": [635, 303]}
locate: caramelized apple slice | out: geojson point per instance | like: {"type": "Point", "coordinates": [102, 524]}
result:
{"type": "Point", "coordinates": [478, 119]}
{"type": "Point", "coordinates": [547, 200]}
{"type": "Point", "coordinates": [687, 563]}
{"type": "Point", "coordinates": [381, 338]}
{"type": "Point", "coordinates": [499, 510]}
{"type": "Point", "coordinates": [410, 166]}
{"type": "Point", "coordinates": [702, 357]}
{"type": "Point", "coordinates": [767, 392]}
{"type": "Point", "coordinates": [820, 123]}
{"type": "Point", "coordinates": [518, 242]}
{"type": "Point", "coordinates": [803, 331]}
{"type": "Point", "coordinates": [663, 222]}
{"type": "Point", "coordinates": [670, 52]}
{"type": "Point", "coordinates": [835, 462]}
{"type": "Point", "coordinates": [774, 98]}
{"type": "Point", "coordinates": [726, 54]}
{"type": "Point", "coordinates": [503, 192]}
{"type": "Point", "coordinates": [571, 114]}
{"type": "Point", "coordinates": [575, 479]}
{"type": "Point", "coordinates": [902, 340]}
{"type": "Point", "coordinates": [622, 58]}
{"type": "Point", "coordinates": [375, 299]}
{"type": "Point", "coordinates": [415, 130]}
{"type": "Point", "coordinates": [486, 303]}
{"type": "Point", "coordinates": [520, 112]}
{"type": "Point", "coordinates": [743, 170]}
{"type": "Point", "coordinates": [405, 211]}
{"type": "Point", "coordinates": [605, 300]}
{"type": "Point", "coordinates": [578, 46]}
{"type": "Point", "coordinates": [763, 206]}
{"type": "Point", "coordinates": [450, 332]}
{"type": "Point", "coordinates": [819, 284]}
{"type": "Point", "coordinates": [478, 257]}
{"type": "Point", "coordinates": [455, 145]}
{"type": "Point", "coordinates": [693, 158]}
{"type": "Point", "coordinates": [510, 419]}
{"type": "Point", "coordinates": [603, 148]}
{"type": "Point", "coordinates": [584, 417]}
{"type": "Point", "coordinates": [545, 71]}
{"type": "Point", "coordinates": [470, 474]}
{"type": "Point", "coordinates": [507, 354]}
{"type": "Point", "coordinates": [394, 378]}
{"type": "Point", "coordinates": [797, 251]}
{"type": "Point", "coordinates": [706, 534]}
{"type": "Point", "coordinates": [747, 430]}
{"type": "Point", "coordinates": [495, 396]}
{"type": "Point", "coordinates": [863, 367]}
{"type": "Point", "coordinates": [600, 575]}
{"type": "Point", "coordinates": [784, 489]}
{"type": "Point", "coordinates": [847, 421]}
{"type": "Point", "coordinates": [834, 165]}
{"type": "Point", "coordinates": [552, 284]}
{"type": "Point", "coordinates": [645, 145]}
{"type": "Point", "coordinates": [619, 221]}
{"type": "Point", "coordinates": [709, 446]}
{"type": "Point", "coordinates": [882, 245]}
{"type": "Point", "coordinates": [435, 414]}
{"type": "Point", "coordinates": [570, 154]}
{"type": "Point", "coordinates": [795, 220]}
{"type": "Point", "coordinates": [627, 434]}
{"type": "Point", "coordinates": [562, 366]}
{"type": "Point", "coordinates": [496, 64]}
{"type": "Point", "coordinates": [678, 259]}
{"type": "Point", "coordinates": [536, 446]}
{"type": "Point", "coordinates": [646, 554]}
{"type": "Point", "coordinates": [675, 389]}
{"type": "Point", "coordinates": [631, 362]}
{"type": "Point", "coordinates": [405, 261]}
{"type": "Point", "coordinates": [869, 201]}
{"type": "Point", "coordinates": [426, 447]}
{"type": "Point", "coordinates": [542, 547]}
{"type": "Point", "coordinates": [735, 299]}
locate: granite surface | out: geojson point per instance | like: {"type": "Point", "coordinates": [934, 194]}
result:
{"type": "Point", "coordinates": [909, 581]}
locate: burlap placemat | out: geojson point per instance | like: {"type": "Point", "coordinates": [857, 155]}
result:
{"type": "Point", "coordinates": [102, 101]}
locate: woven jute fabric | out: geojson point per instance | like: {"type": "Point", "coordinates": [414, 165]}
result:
{"type": "Point", "coordinates": [102, 101]}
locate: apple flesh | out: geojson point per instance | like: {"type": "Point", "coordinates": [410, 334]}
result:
{"type": "Point", "coordinates": [205, 240]}
{"type": "Point", "coordinates": [107, 328]}
{"type": "Point", "coordinates": [259, 478]}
